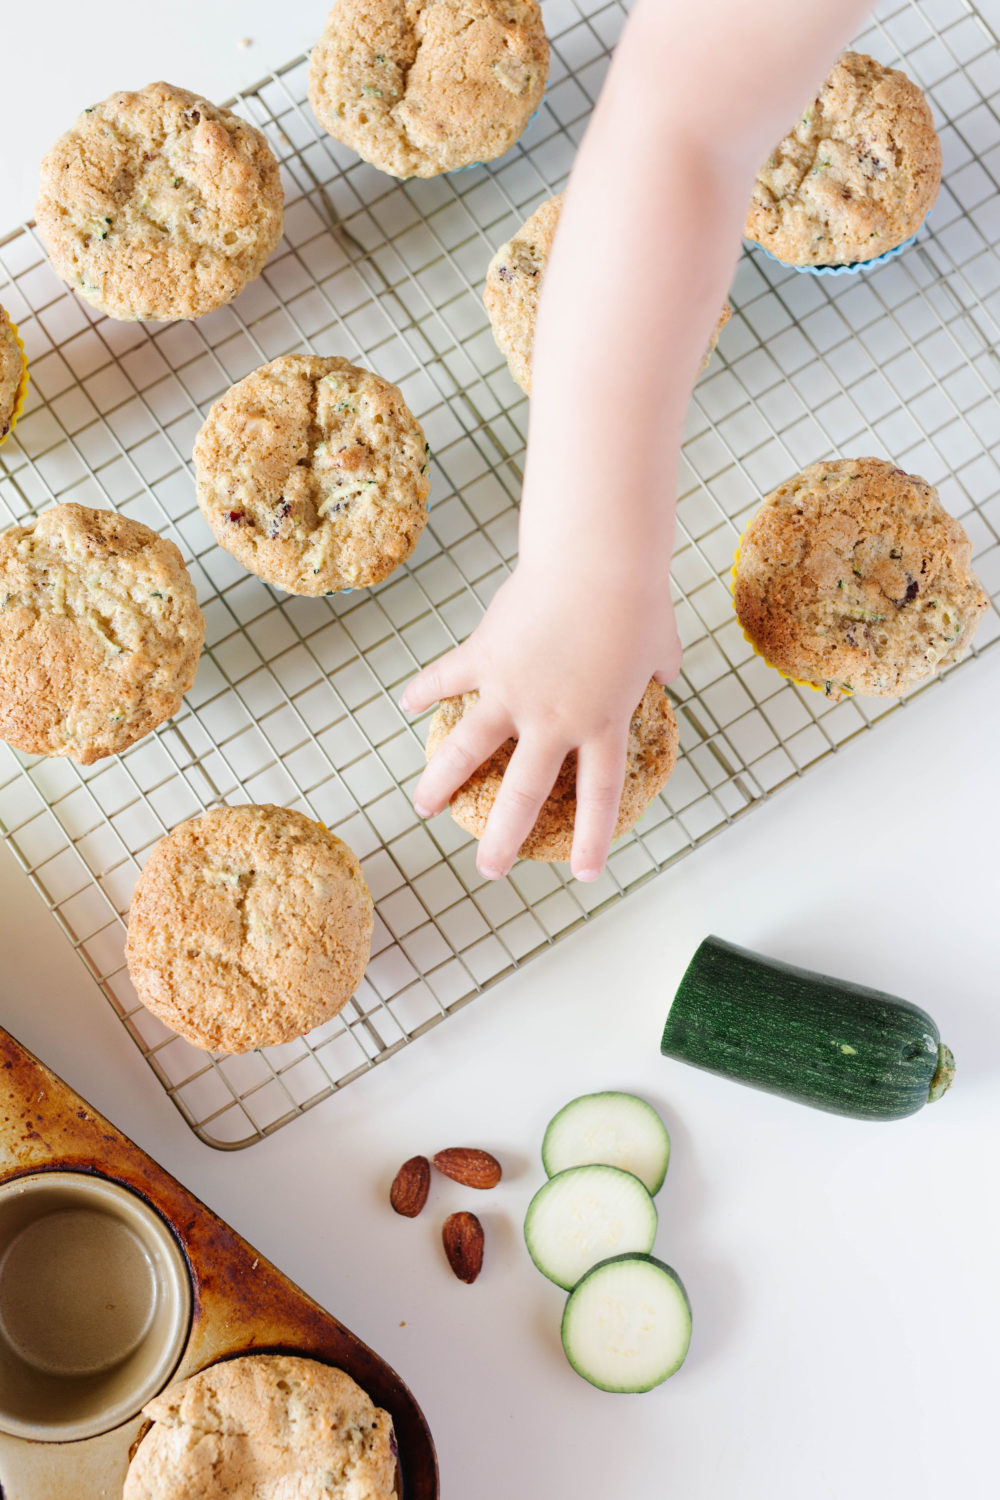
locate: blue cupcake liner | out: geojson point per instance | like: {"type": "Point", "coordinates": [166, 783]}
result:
{"type": "Point", "coordinates": [855, 265]}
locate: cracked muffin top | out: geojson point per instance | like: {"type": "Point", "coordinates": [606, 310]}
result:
{"type": "Point", "coordinates": [248, 926]}
{"type": "Point", "coordinates": [101, 633]}
{"type": "Point", "coordinates": [855, 176]}
{"type": "Point", "coordinates": [853, 577]}
{"type": "Point", "coordinates": [313, 473]}
{"type": "Point", "coordinates": [157, 205]}
{"type": "Point", "coordinates": [418, 87]}
{"type": "Point", "coordinates": [266, 1426]}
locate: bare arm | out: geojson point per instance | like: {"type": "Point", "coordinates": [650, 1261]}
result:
{"type": "Point", "coordinates": [696, 97]}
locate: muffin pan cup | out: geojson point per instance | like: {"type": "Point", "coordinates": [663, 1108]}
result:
{"type": "Point", "coordinates": [57, 1155]}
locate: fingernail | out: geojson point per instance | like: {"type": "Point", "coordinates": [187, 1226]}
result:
{"type": "Point", "coordinates": [489, 872]}
{"type": "Point", "coordinates": [422, 811]}
{"type": "Point", "coordinates": [405, 704]}
{"type": "Point", "coordinates": [588, 874]}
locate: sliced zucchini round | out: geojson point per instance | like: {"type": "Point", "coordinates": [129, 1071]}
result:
{"type": "Point", "coordinates": [627, 1324]}
{"type": "Point", "coordinates": [584, 1215]}
{"type": "Point", "coordinates": [618, 1130]}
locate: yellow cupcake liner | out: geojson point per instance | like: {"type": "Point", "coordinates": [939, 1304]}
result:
{"type": "Point", "coordinates": [814, 687]}
{"type": "Point", "coordinates": [22, 389]}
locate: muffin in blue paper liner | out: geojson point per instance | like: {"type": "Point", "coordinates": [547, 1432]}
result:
{"type": "Point", "coordinates": [473, 164]}
{"type": "Point", "coordinates": [859, 170]}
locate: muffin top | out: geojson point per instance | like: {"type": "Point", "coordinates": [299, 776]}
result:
{"type": "Point", "coordinates": [857, 174]}
{"type": "Point", "coordinates": [11, 373]}
{"type": "Point", "coordinates": [651, 756]}
{"type": "Point", "coordinates": [514, 285]}
{"type": "Point", "coordinates": [248, 926]}
{"type": "Point", "coordinates": [101, 633]}
{"type": "Point", "coordinates": [314, 474]}
{"type": "Point", "coordinates": [418, 87]}
{"type": "Point", "coordinates": [266, 1426]}
{"type": "Point", "coordinates": [158, 205]}
{"type": "Point", "coordinates": [853, 576]}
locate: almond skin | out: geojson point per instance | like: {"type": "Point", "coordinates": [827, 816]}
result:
{"type": "Point", "coordinates": [410, 1186]}
{"type": "Point", "coordinates": [469, 1166]}
{"type": "Point", "coordinates": [464, 1240]}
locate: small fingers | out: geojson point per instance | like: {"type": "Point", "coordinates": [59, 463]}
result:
{"type": "Point", "coordinates": [449, 675]}
{"type": "Point", "coordinates": [473, 740]}
{"type": "Point", "coordinates": [600, 777]}
{"type": "Point", "coordinates": [527, 782]}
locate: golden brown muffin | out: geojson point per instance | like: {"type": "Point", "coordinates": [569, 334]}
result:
{"type": "Point", "coordinates": [248, 926]}
{"type": "Point", "coordinates": [313, 473]}
{"type": "Point", "coordinates": [856, 175]}
{"type": "Point", "coordinates": [158, 205]}
{"type": "Point", "coordinates": [418, 87]}
{"type": "Point", "coordinates": [265, 1427]}
{"type": "Point", "coordinates": [13, 374]}
{"type": "Point", "coordinates": [652, 755]}
{"type": "Point", "coordinates": [853, 577]}
{"type": "Point", "coordinates": [101, 633]}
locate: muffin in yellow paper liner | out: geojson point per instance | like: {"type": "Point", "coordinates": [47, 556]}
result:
{"type": "Point", "coordinates": [9, 355]}
{"type": "Point", "coordinates": [814, 687]}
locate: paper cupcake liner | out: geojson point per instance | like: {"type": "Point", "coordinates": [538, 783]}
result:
{"type": "Point", "coordinates": [855, 265]}
{"type": "Point", "coordinates": [813, 687]}
{"type": "Point", "coordinates": [22, 389]}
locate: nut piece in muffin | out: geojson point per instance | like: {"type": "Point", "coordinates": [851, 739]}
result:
{"type": "Point", "coordinates": [514, 284]}
{"type": "Point", "coordinates": [853, 577]}
{"type": "Point", "coordinates": [856, 175]}
{"type": "Point", "coordinates": [100, 633]}
{"type": "Point", "coordinates": [651, 757]}
{"type": "Point", "coordinates": [248, 927]}
{"type": "Point", "coordinates": [313, 473]}
{"type": "Point", "coordinates": [265, 1427]}
{"type": "Point", "coordinates": [418, 87]}
{"type": "Point", "coordinates": [157, 205]}
{"type": "Point", "coordinates": [13, 374]}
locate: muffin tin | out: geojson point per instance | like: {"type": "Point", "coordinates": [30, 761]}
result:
{"type": "Point", "coordinates": [114, 1280]}
{"type": "Point", "coordinates": [296, 698]}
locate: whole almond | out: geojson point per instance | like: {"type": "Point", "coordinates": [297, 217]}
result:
{"type": "Point", "coordinates": [470, 1167]}
{"type": "Point", "coordinates": [463, 1239]}
{"type": "Point", "coordinates": [410, 1186]}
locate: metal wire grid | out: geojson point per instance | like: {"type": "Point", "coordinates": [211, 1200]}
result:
{"type": "Point", "coordinates": [295, 698]}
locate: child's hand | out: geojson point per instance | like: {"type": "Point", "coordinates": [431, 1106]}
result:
{"type": "Point", "coordinates": [560, 661]}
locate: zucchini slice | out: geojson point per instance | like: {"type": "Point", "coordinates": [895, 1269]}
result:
{"type": "Point", "coordinates": [584, 1215]}
{"type": "Point", "coordinates": [618, 1130]}
{"type": "Point", "coordinates": [826, 1042]}
{"type": "Point", "coordinates": [627, 1325]}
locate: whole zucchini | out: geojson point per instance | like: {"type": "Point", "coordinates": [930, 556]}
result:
{"type": "Point", "coordinates": [826, 1042]}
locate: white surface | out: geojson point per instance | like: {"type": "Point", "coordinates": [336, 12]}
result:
{"type": "Point", "coordinates": [842, 1275]}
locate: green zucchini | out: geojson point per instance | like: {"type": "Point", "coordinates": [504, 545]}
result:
{"type": "Point", "coordinates": [826, 1042]}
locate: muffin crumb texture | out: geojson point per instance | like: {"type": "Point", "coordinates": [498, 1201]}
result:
{"type": "Point", "coordinates": [158, 205]}
{"type": "Point", "coordinates": [418, 87]}
{"type": "Point", "coordinates": [651, 757]}
{"type": "Point", "coordinates": [101, 633]}
{"type": "Point", "coordinates": [853, 577]}
{"type": "Point", "coordinates": [11, 373]}
{"type": "Point", "coordinates": [266, 1426]}
{"type": "Point", "coordinates": [248, 927]}
{"type": "Point", "coordinates": [314, 474]}
{"type": "Point", "coordinates": [857, 174]}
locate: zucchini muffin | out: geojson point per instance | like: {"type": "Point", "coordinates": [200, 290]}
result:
{"type": "Point", "coordinates": [248, 927]}
{"type": "Point", "coordinates": [157, 205]}
{"type": "Point", "coordinates": [856, 175]}
{"type": "Point", "coordinates": [100, 633]}
{"type": "Point", "coordinates": [418, 87]}
{"type": "Point", "coordinates": [265, 1427]}
{"type": "Point", "coordinates": [853, 577]}
{"type": "Point", "coordinates": [313, 473]}
{"type": "Point", "coordinates": [13, 374]}
{"type": "Point", "coordinates": [514, 285]}
{"type": "Point", "coordinates": [652, 755]}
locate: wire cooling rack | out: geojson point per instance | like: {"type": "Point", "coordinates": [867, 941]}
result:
{"type": "Point", "coordinates": [295, 700]}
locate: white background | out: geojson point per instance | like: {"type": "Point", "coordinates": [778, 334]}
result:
{"type": "Point", "coordinates": [843, 1275]}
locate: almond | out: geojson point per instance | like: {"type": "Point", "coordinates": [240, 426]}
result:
{"type": "Point", "coordinates": [470, 1167]}
{"type": "Point", "coordinates": [463, 1240]}
{"type": "Point", "coordinates": [410, 1186]}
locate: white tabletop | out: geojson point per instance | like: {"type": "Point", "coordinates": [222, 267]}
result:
{"type": "Point", "coordinates": [842, 1275]}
